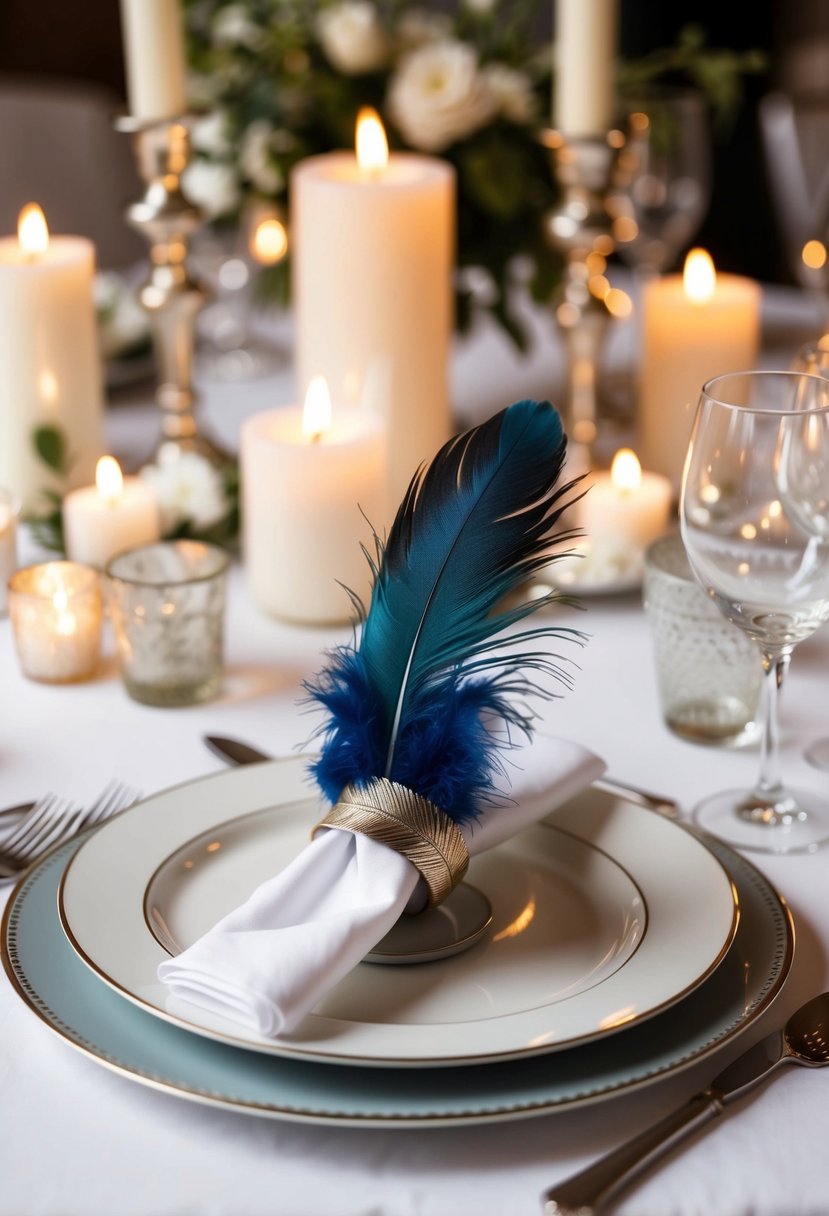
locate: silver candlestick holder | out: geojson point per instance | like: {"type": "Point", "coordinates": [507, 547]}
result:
{"type": "Point", "coordinates": [581, 229]}
{"type": "Point", "coordinates": [171, 297]}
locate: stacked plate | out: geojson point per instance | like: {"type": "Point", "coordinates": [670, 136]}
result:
{"type": "Point", "coordinates": [622, 947]}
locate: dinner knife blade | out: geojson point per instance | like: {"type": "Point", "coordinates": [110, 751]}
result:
{"type": "Point", "coordinates": [234, 751]}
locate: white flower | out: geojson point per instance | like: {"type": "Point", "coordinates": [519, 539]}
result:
{"type": "Point", "coordinates": [189, 489]}
{"type": "Point", "coordinates": [122, 322]}
{"type": "Point", "coordinates": [352, 37]}
{"type": "Point", "coordinates": [417, 26]}
{"type": "Point", "coordinates": [213, 187]}
{"type": "Point", "coordinates": [232, 26]}
{"type": "Point", "coordinates": [511, 91]}
{"type": "Point", "coordinates": [255, 158]}
{"type": "Point", "coordinates": [211, 135]}
{"type": "Point", "coordinates": [438, 95]}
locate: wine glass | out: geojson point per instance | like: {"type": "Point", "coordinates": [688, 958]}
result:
{"type": "Point", "coordinates": [663, 178]}
{"type": "Point", "coordinates": [754, 520]}
{"type": "Point", "coordinates": [814, 358]}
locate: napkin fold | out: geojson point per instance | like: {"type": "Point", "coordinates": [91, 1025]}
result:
{"type": "Point", "coordinates": [267, 963]}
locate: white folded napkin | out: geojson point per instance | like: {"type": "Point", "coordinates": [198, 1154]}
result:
{"type": "Point", "coordinates": [267, 963]}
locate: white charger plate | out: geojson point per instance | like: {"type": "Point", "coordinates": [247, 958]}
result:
{"type": "Point", "coordinates": [90, 1016]}
{"type": "Point", "coordinates": [602, 916]}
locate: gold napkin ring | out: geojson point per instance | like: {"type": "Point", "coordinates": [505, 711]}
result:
{"type": "Point", "coordinates": [408, 823]}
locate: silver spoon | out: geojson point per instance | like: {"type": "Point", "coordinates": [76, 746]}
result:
{"type": "Point", "coordinates": [803, 1040]}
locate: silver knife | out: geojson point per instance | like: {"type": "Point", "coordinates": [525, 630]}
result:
{"type": "Point", "coordinates": [235, 752]}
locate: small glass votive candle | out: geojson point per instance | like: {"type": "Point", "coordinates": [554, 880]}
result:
{"type": "Point", "coordinates": [708, 671]}
{"type": "Point", "coordinates": [9, 513]}
{"type": "Point", "coordinates": [56, 610]}
{"type": "Point", "coordinates": [167, 606]}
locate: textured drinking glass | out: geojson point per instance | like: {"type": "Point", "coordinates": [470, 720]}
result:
{"type": "Point", "coordinates": [56, 610]}
{"type": "Point", "coordinates": [708, 672]}
{"type": "Point", "coordinates": [167, 604]}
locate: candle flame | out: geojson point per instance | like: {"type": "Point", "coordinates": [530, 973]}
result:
{"type": "Point", "coordinates": [316, 413]}
{"type": "Point", "coordinates": [372, 145]}
{"type": "Point", "coordinates": [108, 480]}
{"type": "Point", "coordinates": [626, 471]}
{"type": "Point", "coordinates": [66, 623]}
{"type": "Point", "coordinates": [32, 230]}
{"type": "Point", "coordinates": [269, 242]}
{"type": "Point", "coordinates": [699, 278]}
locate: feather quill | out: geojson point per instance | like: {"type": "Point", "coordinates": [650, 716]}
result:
{"type": "Point", "coordinates": [411, 701]}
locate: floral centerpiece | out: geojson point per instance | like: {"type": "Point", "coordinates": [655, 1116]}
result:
{"type": "Point", "coordinates": [284, 79]}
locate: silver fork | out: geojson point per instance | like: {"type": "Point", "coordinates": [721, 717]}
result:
{"type": "Point", "coordinates": [54, 820]}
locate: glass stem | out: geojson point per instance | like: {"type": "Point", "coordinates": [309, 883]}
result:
{"type": "Point", "coordinates": [769, 781]}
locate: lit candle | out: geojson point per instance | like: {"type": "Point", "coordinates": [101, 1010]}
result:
{"type": "Point", "coordinates": [115, 514]}
{"type": "Point", "coordinates": [373, 244]}
{"type": "Point", "coordinates": [8, 542]}
{"type": "Point", "coordinates": [626, 507]}
{"type": "Point", "coordinates": [51, 371]}
{"type": "Point", "coordinates": [154, 54]}
{"type": "Point", "coordinates": [311, 477]}
{"type": "Point", "coordinates": [56, 611]}
{"type": "Point", "coordinates": [695, 326]}
{"type": "Point", "coordinates": [584, 101]}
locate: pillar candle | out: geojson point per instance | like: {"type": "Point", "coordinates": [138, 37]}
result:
{"type": "Point", "coordinates": [626, 506]}
{"type": "Point", "coordinates": [109, 517]}
{"type": "Point", "coordinates": [373, 256]}
{"type": "Point", "coordinates": [154, 54]}
{"type": "Point", "coordinates": [306, 498]}
{"type": "Point", "coordinates": [51, 370]}
{"type": "Point", "coordinates": [584, 100]}
{"type": "Point", "coordinates": [694, 326]}
{"type": "Point", "coordinates": [8, 542]}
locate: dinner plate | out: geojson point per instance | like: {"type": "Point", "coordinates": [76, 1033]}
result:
{"type": "Point", "coordinates": [90, 1016]}
{"type": "Point", "coordinates": [589, 909]}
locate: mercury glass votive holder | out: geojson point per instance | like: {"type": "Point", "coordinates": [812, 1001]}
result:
{"type": "Point", "coordinates": [56, 611]}
{"type": "Point", "coordinates": [167, 605]}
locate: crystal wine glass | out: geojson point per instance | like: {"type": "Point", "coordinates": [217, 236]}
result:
{"type": "Point", "coordinates": [814, 358]}
{"type": "Point", "coordinates": [753, 514]}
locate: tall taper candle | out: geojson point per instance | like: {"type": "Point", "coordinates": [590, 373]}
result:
{"type": "Point", "coordinates": [154, 53]}
{"type": "Point", "coordinates": [585, 52]}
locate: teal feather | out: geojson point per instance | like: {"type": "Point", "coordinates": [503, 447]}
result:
{"type": "Point", "coordinates": [411, 701]}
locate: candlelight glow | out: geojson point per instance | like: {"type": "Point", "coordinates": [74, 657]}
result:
{"type": "Point", "coordinates": [699, 278]}
{"type": "Point", "coordinates": [32, 231]}
{"type": "Point", "coordinates": [269, 242]}
{"type": "Point", "coordinates": [66, 623]}
{"type": "Point", "coordinates": [316, 413]}
{"type": "Point", "coordinates": [626, 471]}
{"type": "Point", "coordinates": [813, 254]}
{"type": "Point", "coordinates": [372, 145]}
{"type": "Point", "coordinates": [108, 480]}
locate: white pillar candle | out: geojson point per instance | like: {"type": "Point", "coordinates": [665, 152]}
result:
{"type": "Point", "coordinates": [625, 507]}
{"type": "Point", "coordinates": [8, 543]}
{"type": "Point", "coordinates": [306, 497]}
{"type": "Point", "coordinates": [110, 517]}
{"type": "Point", "coordinates": [694, 326]}
{"type": "Point", "coordinates": [50, 371]}
{"type": "Point", "coordinates": [154, 55]}
{"type": "Point", "coordinates": [373, 253]}
{"type": "Point", "coordinates": [584, 99]}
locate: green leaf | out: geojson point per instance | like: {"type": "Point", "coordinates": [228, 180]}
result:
{"type": "Point", "coordinates": [50, 445]}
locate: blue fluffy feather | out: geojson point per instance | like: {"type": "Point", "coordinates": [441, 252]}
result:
{"type": "Point", "coordinates": [414, 700]}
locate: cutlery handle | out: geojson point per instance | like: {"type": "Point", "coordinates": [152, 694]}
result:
{"type": "Point", "coordinates": [582, 1194]}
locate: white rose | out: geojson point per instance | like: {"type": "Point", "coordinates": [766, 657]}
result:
{"type": "Point", "coordinates": [211, 135]}
{"type": "Point", "coordinates": [213, 187]}
{"type": "Point", "coordinates": [256, 161]}
{"type": "Point", "coordinates": [438, 96]}
{"type": "Point", "coordinates": [232, 26]}
{"type": "Point", "coordinates": [511, 91]}
{"type": "Point", "coordinates": [352, 37]}
{"type": "Point", "coordinates": [189, 489]}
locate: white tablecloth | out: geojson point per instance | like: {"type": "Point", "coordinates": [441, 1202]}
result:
{"type": "Point", "coordinates": [77, 1140]}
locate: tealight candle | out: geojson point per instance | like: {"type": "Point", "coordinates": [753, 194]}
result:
{"type": "Point", "coordinates": [56, 610]}
{"type": "Point", "coordinates": [9, 508]}
{"type": "Point", "coordinates": [373, 247]}
{"type": "Point", "coordinates": [51, 370]}
{"type": "Point", "coordinates": [695, 326]}
{"type": "Point", "coordinates": [626, 506]}
{"type": "Point", "coordinates": [115, 514]}
{"type": "Point", "coordinates": [310, 477]}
